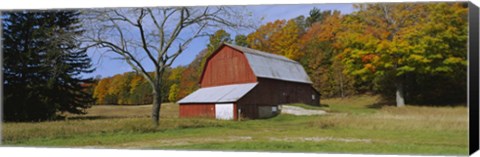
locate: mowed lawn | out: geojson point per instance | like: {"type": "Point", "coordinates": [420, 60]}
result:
{"type": "Point", "coordinates": [353, 125]}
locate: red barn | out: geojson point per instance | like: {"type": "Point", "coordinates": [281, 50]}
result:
{"type": "Point", "coordinates": [247, 83]}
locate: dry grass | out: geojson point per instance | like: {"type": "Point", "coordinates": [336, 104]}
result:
{"type": "Point", "coordinates": [394, 118]}
{"type": "Point", "coordinates": [102, 119]}
{"type": "Point", "coordinates": [112, 111]}
{"type": "Point", "coordinates": [405, 120]}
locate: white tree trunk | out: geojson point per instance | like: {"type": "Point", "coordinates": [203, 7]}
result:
{"type": "Point", "coordinates": [399, 95]}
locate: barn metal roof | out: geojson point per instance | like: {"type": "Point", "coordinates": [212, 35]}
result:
{"type": "Point", "coordinates": [267, 65]}
{"type": "Point", "coordinates": [217, 94]}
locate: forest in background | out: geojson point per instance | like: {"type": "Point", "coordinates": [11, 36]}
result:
{"type": "Point", "coordinates": [418, 51]}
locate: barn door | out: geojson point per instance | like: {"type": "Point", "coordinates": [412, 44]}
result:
{"type": "Point", "coordinates": [224, 111]}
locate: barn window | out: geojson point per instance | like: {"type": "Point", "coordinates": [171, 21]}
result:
{"type": "Point", "coordinates": [313, 96]}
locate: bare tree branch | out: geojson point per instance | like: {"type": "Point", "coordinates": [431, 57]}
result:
{"type": "Point", "coordinates": [144, 43]}
{"type": "Point", "coordinates": [156, 30]}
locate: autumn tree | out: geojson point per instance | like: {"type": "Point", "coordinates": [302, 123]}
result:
{"type": "Point", "coordinates": [120, 87]}
{"type": "Point", "coordinates": [286, 41]}
{"type": "Point", "coordinates": [172, 95]}
{"type": "Point", "coordinates": [261, 38]}
{"type": "Point", "coordinates": [101, 90]}
{"type": "Point", "coordinates": [174, 78]}
{"type": "Point", "coordinates": [320, 47]}
{"type": "Point", "coordinates": [127, 89]}
{"type": "Point", "coordinates": [141, 94]}
{"type": "Point", "coordinates": [438, 54]}
{"type": "Point", "coordinates": [388, 42]}
{"type": "Point", "coordinates": [189, 82]}
{"type": "Point", "coordinates": [159, 35]}
{"type": "Point", "coordinates": [278, 37]}
{"type": "Point", "coordinates": [140, 91]}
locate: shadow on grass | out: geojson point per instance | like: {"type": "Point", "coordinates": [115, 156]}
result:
{"type": "Point", "coordinates": [384, 103]}
{"type": "Point", "coordinates": [324, 105]}
{"type": "Point", "coordinates": [62, 118]}
{"type": "Point", "coordinates": [87, 118]}
{"type": "Point", "coordinates": [441, 105]}
{"type": "Point", "coordinates": [380, 104]}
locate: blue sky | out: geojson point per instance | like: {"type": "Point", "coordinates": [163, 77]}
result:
{"type": "Point", "coordinates": [106, 65]}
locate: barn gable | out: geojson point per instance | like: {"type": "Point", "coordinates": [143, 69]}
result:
{"type": "Point", "coordinates": [226, 66]}
{"type": "Point", "coordinates": [267, 65]}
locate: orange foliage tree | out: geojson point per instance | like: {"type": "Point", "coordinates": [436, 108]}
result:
{"type": "Point", "coordinates": [278, 37]}
{"type": "Point", "coordinates": [320, 47]}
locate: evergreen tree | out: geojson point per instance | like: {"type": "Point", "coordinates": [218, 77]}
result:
{"type": "Point", "coordinates": [42, 65]}
{"type": "Point", "coordinates": [316, 15]}
{"type": "Point", "coordinates": [301, 23]}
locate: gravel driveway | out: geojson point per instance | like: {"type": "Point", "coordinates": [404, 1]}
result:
{"type": "Point", "coordinates": [294, 110]}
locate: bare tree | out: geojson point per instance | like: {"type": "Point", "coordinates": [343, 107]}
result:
{"type": "Point", "coordinates": [146, 36]}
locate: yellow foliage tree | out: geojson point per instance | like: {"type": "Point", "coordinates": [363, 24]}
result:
{"type": "Point", "coordinates": [101, 90]}
{"type": "Point", "coordinates": [387, 42]}
{"type": "Point", "coordinates": [278, 37]}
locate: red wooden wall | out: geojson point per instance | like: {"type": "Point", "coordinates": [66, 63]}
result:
{"type": "Point", "coordinates": [235, 111]}
{"type": "Point", "coordinates": [271, 92]}
{"type": "Point", "coordinates": [227, 66]}
{"type": "Point", "coordinates": [197, 110]}
{"type": "Point", "coordinates": [202, 110]}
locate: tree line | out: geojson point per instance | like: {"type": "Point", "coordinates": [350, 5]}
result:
{"type": "Point", "coordinates": [413, 53]}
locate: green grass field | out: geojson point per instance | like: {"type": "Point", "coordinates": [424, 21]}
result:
{"type": "Point", "coordinates": [353, 125]}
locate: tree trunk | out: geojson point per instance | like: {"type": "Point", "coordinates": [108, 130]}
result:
{"type": "Point", "coordinates": [157, 104]}
{"type": "Point", "coordinates": [341, 86]}
{"type": "Point", "coordinates": [400, 98]}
